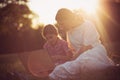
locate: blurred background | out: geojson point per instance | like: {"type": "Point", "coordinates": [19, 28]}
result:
{"type": "Point", "coordinates": [21, 22]}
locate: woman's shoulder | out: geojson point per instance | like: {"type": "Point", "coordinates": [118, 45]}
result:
{"type": "Point", "coordinates": [88, 25]}
{"type": "Point", "coordinates": [83, 25]}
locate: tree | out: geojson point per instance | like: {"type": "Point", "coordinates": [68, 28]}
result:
{"type": "Point", "coordinates": [15, 23]}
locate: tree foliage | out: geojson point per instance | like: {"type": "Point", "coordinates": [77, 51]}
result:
{"type": "Point", "coordinates": [14, 16]}
{"type": "Point", "coordinates": [12, 1]}
{"type": "Point", "coordinates": [16, 33]}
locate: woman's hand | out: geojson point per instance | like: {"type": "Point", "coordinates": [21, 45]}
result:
{"type": "Point", "coordinates": [81, 50]}
{"type": "Point", "coordinates": [84, 48]}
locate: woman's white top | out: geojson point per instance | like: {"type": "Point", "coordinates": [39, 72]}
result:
{"type": "Point", "coordinates": [85, 34]}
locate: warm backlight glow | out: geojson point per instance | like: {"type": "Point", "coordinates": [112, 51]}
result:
{"type": "Point", "coordinates": [46, 9]}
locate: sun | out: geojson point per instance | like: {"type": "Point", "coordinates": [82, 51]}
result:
{"type": "Point", "coordinates": [46, 9]}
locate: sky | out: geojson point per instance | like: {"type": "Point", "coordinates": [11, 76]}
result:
{"type": "Point", "coordinates": [46, 9]}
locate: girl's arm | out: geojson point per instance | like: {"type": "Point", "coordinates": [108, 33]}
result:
{"type": "Point", "coordinates": [61, 57]}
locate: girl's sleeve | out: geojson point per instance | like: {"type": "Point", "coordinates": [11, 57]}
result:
{"type": "Point", "coordinates": [66, 47]}
{"type": "Point", "coordinates": [45, 46]}
{"type": "Point", "coordinates": [91, 36]}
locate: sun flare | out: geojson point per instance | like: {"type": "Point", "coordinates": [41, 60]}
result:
{"type": "Point", "coordinates": [46, 9]}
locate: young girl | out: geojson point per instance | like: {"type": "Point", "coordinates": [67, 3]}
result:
{"type": "Point", "coordinates": [57, 47]}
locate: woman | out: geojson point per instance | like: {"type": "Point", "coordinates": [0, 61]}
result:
{"type": "Point", "coordinates": [90, 55]}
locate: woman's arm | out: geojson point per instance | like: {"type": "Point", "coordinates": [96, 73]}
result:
{"type": "Point", "coordinates": [81, 50]}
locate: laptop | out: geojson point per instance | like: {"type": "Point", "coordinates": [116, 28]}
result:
{"type": "Point", "coordinates": [38, 62]}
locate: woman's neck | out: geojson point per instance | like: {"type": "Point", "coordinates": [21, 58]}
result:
{"type": "Point", "coordinates": [76, 24]}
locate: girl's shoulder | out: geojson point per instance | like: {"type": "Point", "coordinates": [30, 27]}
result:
{"type": "Point", "coordinates": [62, 41]}
{"type": "Point", "coordinates": [46, 45]}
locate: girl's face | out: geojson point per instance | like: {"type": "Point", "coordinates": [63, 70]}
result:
{"type": "Point", "coordinates": [51, 38]}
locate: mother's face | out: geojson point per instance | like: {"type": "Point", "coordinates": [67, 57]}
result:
{"type": "Point", "coordinates": [65, 18]}
{"type": "Point", "coordinates": [64, 24]}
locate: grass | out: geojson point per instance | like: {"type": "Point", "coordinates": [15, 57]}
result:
{"type": "Point", "coordinates": [11, 68]}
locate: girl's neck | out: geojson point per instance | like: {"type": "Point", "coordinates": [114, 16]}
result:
{"type": "Point", "coordinates": [55, 42]}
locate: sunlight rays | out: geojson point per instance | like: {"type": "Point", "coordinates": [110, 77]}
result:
{"type": "Point", "coordinates": [46, 9]}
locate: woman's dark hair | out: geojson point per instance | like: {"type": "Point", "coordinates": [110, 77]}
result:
{"type": "Point", "coordinates": [64, 13]}
{"type": "Point", "coordinates": [68, 17]}
{"type": "Point", "coordinates": [49, 29]}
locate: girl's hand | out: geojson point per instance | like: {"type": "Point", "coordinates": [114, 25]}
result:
{"type": "Point", "coordinates": [59, 57]}
{"type": "Point", "coordinates": [56, 57]}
